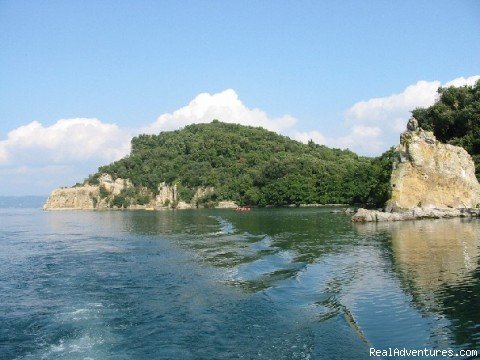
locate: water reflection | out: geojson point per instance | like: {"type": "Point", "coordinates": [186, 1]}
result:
{"type": "Point", "coordinates": [437, 263]}
{"type": "Point", "coordinates": [434, 254]}
{"type": "Point", "coordinates": [415, 283]}
{"type": "Point", "coordinates": [258, 248]}
{"type": "Point", "coordinates": [437, 255]}
{"type": "Point", "coordinates": [285, 272]}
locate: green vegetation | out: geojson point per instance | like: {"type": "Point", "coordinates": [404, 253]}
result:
{"type": "Point", "coordinates": [103, 191]}
{"type": "Point", "coordinates": [130, 196]}
{"type": "Point", "coordinates": [455, 119]}
{"type": "Point", "coordinates": [251, 166]}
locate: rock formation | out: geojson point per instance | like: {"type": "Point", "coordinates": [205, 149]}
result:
{"type": "Point", "coordinates": [429, 180]}
{"type": "Point", "coordinates": [167, 195]}
{"type": "Point", "coordinates": [72, 198]}
{"type": "Point", "coordinates": [87, 197]}
{"type": "Point", "coordinates": [101, 196]}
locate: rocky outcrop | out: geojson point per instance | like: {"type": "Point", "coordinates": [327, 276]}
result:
{"type": "Point", "coordinates": [81, 197]}
{"type": "Point", "coordinates": [226, 205]}
{"type": "Point", "coordinates": [364, 215]}
{"type": "Point", "coordinates": [167, 195]}
{"type": "Point", "coordinates": [87, 196]}
{"type": "Point", "coordinates": [103, 194]}
{"type": "Point", "coordinates": [429, 180]}
{"type": "Point", "coordinates": [114, 187]}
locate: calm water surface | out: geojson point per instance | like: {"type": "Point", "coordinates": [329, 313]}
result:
{"type": "Point", "coordinates": [215, 284]}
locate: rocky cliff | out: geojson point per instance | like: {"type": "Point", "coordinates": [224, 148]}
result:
{"type": "Point", "coordinates": [72, 198]}
{"type": "Point", "coordinates": [87, 197]}
{"type": "Point", "coordinates": [429, 180]}
{"type": "Point", "coordinates": [121, 193]}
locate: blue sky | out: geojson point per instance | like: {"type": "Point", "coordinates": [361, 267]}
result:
{"type": "Point", "coordinates": [311, 69]}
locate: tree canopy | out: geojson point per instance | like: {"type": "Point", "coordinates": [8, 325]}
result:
{"type": "Point", "coordinates": [455, 119]}
{"type": "Point", "coordinates": [252, 166]}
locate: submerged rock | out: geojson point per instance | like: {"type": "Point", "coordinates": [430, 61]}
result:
{"type": "Point", "coordinates": [429, 180]}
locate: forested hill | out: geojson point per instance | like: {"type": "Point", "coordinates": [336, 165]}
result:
{"type": "Point", "coordinates": [251, 166]}
{"type": "Point", "coordinates": [455, 119]}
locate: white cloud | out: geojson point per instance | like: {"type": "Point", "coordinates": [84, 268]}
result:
{"type": "Point", "coordinates": [423, 93]}
{"type": "Point", "coordinates": [40, 179]}
{"type": "Point", "coordinates": [462, 81]}
{"type": "Point", "coordinates": [364, 139]}
{"type": "Point", "coordinates": [67, 151]}
{"type": "Point", "coordinates": [384, 118]}
{"type": "Point", "coordinates": [35, 153]}
{"type": "Point", "coordinates": [306, 136]}
{"type": "Point", "coordinates": [66, 141]}
{"type": "Point", "coordinates": [224, 106]}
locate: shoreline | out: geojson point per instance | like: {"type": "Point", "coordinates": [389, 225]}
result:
{"type": "Point", "coordinates": [150, 208]}
{"type": "Point", "coordinates": [366, 216]}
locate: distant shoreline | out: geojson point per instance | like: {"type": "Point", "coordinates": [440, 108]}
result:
{"type": "Point", "coordinates": [203, 208]}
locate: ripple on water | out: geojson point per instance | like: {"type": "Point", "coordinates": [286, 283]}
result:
{"type": "Point", "coordinates": [275, 283]}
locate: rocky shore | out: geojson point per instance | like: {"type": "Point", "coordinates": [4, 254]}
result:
{"type": "Point", "coordinates": [430, 180]}
{"type": "Point", "coordinates": [102, 197]}
{"type": "Point", "coordinates": [364, 215]}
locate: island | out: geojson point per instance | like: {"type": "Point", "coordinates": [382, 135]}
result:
{"type": "Point", "coordinates": [227, 165]}
{"type": "Point", "coordinates": [432, 173]}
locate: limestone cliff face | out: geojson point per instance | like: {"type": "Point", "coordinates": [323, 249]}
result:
{"type": "Point", "coordinates": [72, 198]}
{"type": "Point", "coordinates": [101, 196]}
{"type": "Point", "coordinates": [114, 186]}
{"type": "Point", "coordinates": [432, 175]}
{"type": "Point", "coordinates": [86, 197]}
{"type": "Point", "coordinates": [429, 180]}
{"type": "Point", "coordinates": [167, 195]}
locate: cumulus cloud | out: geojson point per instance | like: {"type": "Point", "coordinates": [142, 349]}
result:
{"type": "Point", "coordinates": [462, 81]}
{"type": "Point", "coordinates": [224, 106]}
{"type": "Point", "coordinates": [361, 138]}
{"type": "Point", "coordinates": [375, 124]}
{"type": "Point", "coordinates": [306, 136]}
{"type": "Point", "coordinates": [82, 140]}
{"type": "Point", "coordinates": [65, 152]}
{"type": "Point", "coordinates": [71, 148]}
{"type": "Point", "coordinates": [423, 93]}
{"type": "Point", "coordinates": [66, 141]}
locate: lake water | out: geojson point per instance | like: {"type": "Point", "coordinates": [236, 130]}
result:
{"type": "Point", "coordinates": [216, 284]}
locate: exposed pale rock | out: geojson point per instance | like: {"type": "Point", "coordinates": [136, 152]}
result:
{"type": "Point", "coordinates": [167, 195]}
{"type": "Point", "coordinates": [226, 205]}
{"type": "Point", "coordinates": [86, 197]}
{"type": "Point", "coordinates": [429, 174]}
{"type": "Point", "coordinates": [364, 215]}
{"type": "Point", "coordinates": [429, 180]}
{"type": "Point", "coordinates": [114, 187]}
{"type": "Point", "coordinates": [81, 197]}
{"type": "Point", "coordinates": [182, 205]}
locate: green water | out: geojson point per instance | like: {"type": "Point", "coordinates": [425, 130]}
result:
{"type": "Point", "coordinates": [216, 284]}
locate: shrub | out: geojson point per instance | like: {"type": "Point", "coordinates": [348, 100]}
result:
{"type": "Point", "coordinates": [103, 192]}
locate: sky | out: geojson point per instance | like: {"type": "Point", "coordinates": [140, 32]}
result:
{"type": "Point", "coordinates": [79, 79]}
